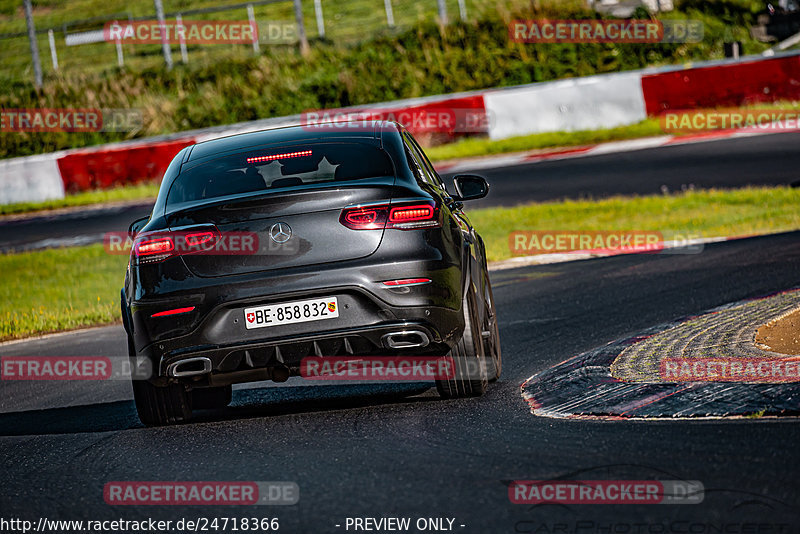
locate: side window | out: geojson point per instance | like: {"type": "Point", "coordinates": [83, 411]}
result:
{"type": "Point", "coordinates": [414, 164]}
{"type": "Point", "coordinates": [431, 176]}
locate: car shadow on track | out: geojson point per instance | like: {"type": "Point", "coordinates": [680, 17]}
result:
{"type": "Point", "coordinates": [247, 403]}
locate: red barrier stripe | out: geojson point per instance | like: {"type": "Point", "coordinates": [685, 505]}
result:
{"type": "Point", "coordinates": [734, 84]}
{"type": "Point", "coordinates": [103, 169]}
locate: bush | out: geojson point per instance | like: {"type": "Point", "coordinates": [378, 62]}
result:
{"type": "Point", "coordinates": [424, 60]}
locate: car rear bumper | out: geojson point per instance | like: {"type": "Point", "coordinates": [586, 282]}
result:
{"type": "Point", "coordinates": [218, 347]}
{"type": "Point", "coordinates": [368, 310]}
{"type": "Point", "coordinates": [415, 331]}
{"type": "Point", "coordinates": [261, 360]}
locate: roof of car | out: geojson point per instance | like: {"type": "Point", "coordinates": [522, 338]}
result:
{"type": "Point", "coordinates": [316, 132]}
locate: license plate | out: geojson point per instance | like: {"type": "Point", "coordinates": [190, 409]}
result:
{"type": "Point", "coordinates": [301, 311]}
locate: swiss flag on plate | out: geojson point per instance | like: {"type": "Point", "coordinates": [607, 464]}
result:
{"type": "Point", "coordinates": [251, 317]}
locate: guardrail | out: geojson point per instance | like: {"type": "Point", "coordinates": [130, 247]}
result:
{"type": "Point", "coordinates": [330, 20]}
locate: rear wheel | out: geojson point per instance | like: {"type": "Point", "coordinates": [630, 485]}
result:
{"type": "Point", "coordinates": [491, 341]}
{"type": "Point", "coordinates": [161, 405]}
{"type": "Point", "coordinates": [470, 379]}
{"type": "Point", "coordinates": [210, 398]}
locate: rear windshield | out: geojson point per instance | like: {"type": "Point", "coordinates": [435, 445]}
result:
{"type": "Point", "coordinates": [275, 168]}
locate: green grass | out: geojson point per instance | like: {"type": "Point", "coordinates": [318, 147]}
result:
{"type": "Point", "coordinates": [59, 289]}
{"type": "Point", "coordinates": [62, 289]}
{"type": "Point", "coordinates": [340, 16]}
{"type": "Point", "coordinates": [709, 213]}
{"type": "Point", "coordinates": [131, 192]}
{"type": "Point", "coordinates": [346, 23]}
{"type": "Point", "coordinates": [225, 84]}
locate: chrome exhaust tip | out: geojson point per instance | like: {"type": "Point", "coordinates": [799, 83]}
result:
{"type": "Point", "coordinates": [405, 339]}
{"type": "Point", "coordinates": [189, 367]}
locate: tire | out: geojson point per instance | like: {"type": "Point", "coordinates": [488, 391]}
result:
{"type": "Point", "coordinates": [161, 405]}
{"type": "Point", "coordinates": [211, 398]}
{"type": "Point", "coordinates": [491, 344]}
{"type": "Point", "coordinates": [469, 360]}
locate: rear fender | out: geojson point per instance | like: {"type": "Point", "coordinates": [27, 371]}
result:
{"type": "Point", "coordinates": [125, 313]}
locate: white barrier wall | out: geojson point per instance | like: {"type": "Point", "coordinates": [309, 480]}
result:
{"type": "Point", "coordinates": [589, 103]}
{"type": "Point", "coordinates": [31, 179]}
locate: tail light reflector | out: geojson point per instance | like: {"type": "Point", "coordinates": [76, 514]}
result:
{"type": "Point", "coordinates": [176, 311]}
{"type": "Point", "coordinates": [407, 282]}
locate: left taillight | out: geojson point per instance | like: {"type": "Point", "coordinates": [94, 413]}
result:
{"type": "Point", "coordinates": [153, 248]}
{"type": "Point", "coordinates": [400, 215]}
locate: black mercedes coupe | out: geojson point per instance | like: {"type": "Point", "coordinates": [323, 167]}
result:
{"type": "Point", "coordinates": [269, 247]}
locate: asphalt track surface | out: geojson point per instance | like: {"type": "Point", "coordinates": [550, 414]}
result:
{"type": "Point", "coordinates": [371, 451]}
{"type": "Point", "coordinates": [762, 160]}
{"type": "Point", "coordinates": [725, 163]}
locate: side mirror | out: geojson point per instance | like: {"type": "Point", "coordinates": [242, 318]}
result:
{"type": "Point", "coordinates": [137, 225]}
{"type": "Point", "coordinates": [470, 186]}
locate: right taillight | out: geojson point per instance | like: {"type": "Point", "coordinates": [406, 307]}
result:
{"type": "Point", "coordinates": [200, 239]}
{"type": "Point", "coordinates": [411, 215]}
{"type": "Point", "coordinates": [421, 212]}
{"type": "Point", "coordinates": [400, 215]}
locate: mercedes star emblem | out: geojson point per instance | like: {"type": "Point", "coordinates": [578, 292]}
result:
{"type": "Point", "coordinates": [280, 232]}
